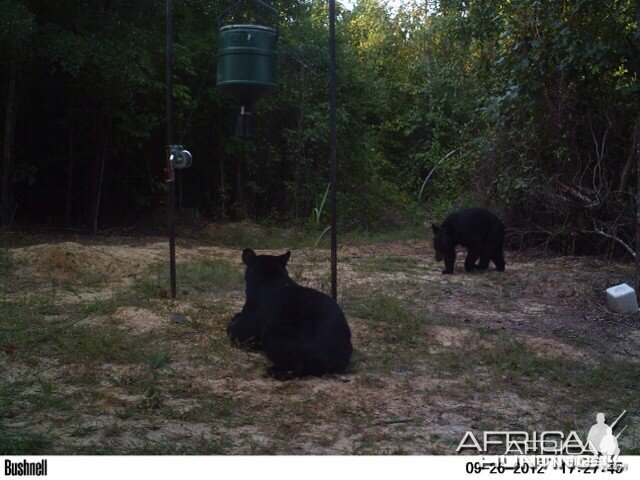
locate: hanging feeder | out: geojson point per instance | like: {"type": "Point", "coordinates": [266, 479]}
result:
{"type": "Point", "coordinates": [179, 157]}
{"type": "Point", "coordinates": [247, 63]}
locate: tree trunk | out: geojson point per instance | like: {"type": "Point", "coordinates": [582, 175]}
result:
{"type": "Point", "coordinates": [626, 171]}
{"type": "Point", "coordinates": [220, 197]}
{"type": "Point", "coordinates": [70, 167]}
{"type": "Point", "coordinates": [637, 152]}
{"type": "Point", "coordinates": [238, 190]}
{"type": "Point", "coordinates": [238, 193]}
{"type": "Point", "coordinates": [100, 178]}
{"type": "Point", "coordinates": [10, 121]}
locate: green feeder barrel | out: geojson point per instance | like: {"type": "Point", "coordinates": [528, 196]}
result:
{"type": "Point", "coordinates": [247, 61]}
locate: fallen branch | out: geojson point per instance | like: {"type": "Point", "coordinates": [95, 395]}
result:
{"type": "Point", "coordinates": [588, 202]}
{"type": "Point", "coordinates": [615, 239]}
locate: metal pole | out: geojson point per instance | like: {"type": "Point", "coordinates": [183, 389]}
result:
{"type": "Point", "coordinates": [334, 148]}
{"type": "Point", "coordinates": [637, 153]}
{"type": "Point", "coordinates": [171, 177]}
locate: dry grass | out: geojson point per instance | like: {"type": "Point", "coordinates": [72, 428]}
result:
{"type": "Point", "coordinates": [92, 362]}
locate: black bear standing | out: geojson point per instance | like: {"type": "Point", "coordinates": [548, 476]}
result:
{"type": "Point", "coordinates": [302, 331]}
{"type": "Point", "coordinates": [477, 229]}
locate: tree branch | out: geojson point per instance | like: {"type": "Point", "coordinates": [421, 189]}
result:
{"type": "Point", "coordinates": [615, 239]}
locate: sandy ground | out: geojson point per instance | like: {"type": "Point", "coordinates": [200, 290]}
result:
{"type": "Point", "coordinates": [94, 361]}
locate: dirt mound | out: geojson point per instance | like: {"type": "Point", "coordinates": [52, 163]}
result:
{"type": "Point", "coordinates": [235, 233]}
{"type": "Point", "coordinates": [133, 319]}
{"type": "Point", "coordinates": [71, 262]}
{"type": "Point", "coordinates": [140, 319]}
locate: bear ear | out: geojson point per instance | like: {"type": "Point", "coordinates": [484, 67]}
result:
{"type": "Point", "coordinates": [435, 228]}
{"type": "Point", "coordinates": [285, 258]}
{"type": "Point", "coordinates": [249, 257]}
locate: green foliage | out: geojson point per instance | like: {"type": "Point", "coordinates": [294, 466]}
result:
{"type": "Point", "coordinates": [317, 212]}
{"type": "Point", "coordinates": [17, 25]}
{"type": "Point", "coordinates": [156, 362]}
{"type": "Point", "coordinates": [536, 98]}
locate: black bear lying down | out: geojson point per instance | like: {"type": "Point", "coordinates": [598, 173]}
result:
{"type": "Point", "coordinates": [302, 331]}
{"type": "Point", "coordinates": [477, 229]}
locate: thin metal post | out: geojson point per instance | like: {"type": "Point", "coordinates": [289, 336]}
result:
{"type": "Point", "coordinates": [171, 177]}
{"type": "Point", "coordinates": [637, 153]}
{"type": "Point", "coordinates": [334, 148]}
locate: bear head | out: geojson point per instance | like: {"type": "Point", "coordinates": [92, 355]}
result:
{"type": "Point", "coordinates": [441, 240]}
{"type": "Point", "coordinates": [262, 269]}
